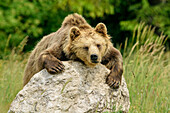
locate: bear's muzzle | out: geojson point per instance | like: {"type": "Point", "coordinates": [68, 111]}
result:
{"type": "Point", "coordinates": [94, 58]}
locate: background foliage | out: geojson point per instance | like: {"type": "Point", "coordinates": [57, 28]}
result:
{"type": "Point", "coordinates": [36, 18]}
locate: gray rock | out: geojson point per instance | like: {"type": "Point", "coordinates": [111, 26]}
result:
{"type": "Point", "coordinates": [78, 89]}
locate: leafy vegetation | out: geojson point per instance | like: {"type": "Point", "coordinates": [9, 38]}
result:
{"type": "Point", "coordinates": [37, 18]}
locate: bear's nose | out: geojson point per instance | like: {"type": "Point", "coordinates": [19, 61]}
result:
{"type": "Point", "coordinates": [94, 57]}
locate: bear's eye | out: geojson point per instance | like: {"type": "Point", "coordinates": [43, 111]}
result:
{"type": "Point", "coordinates": [86, 48]}
{"type": "Point", "coordinates": [98, 45]}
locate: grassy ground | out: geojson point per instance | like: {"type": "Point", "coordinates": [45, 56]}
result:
{"type": "Point", "coordinates": [146, 70]}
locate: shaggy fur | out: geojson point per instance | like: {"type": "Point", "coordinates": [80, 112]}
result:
{"type": "Point", "coordinates": [76, 40]}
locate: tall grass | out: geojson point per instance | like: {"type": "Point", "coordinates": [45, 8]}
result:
{"type": "Point", "coordinates": [11, 74]}
{"type": "Point", "coordinates": [146, 70]}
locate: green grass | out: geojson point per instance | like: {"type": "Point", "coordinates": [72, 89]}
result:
{"type": "Point", "coordinates": [11, 74]}
{"type": "Point", "coordinates": [147, 77]}
{"type": "Point", "coordinates": [146, 70]}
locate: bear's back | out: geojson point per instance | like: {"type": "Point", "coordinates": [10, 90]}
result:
{"type": "Point", "coordinates": [59, 38]}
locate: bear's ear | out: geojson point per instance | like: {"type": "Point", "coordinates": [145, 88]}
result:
{"type": "Point", "coordinates": [101, 28]}
{"type": "Point", "coordinates": [74, 33]}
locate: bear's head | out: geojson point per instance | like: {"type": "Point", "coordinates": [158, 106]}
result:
{"type": "Point", "coordinates": [88, 44]}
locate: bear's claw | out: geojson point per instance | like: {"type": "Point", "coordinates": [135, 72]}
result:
{"type": "Point", "coordinates": [113, 81]}
{"type": "Point", "coordinates": [54, 66]}
{"type": "Point", "coordinates": [115, 85]}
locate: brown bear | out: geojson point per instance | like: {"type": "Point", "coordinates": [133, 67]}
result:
{"type": "Point", "coordinates": [76, 40]}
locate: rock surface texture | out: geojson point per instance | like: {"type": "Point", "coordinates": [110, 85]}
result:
{"type": "Point", "coordinates": [78, 89]}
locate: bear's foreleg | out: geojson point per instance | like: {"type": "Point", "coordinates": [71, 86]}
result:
{"type": "Point", "coordinates": [114, 61]}
{"type": "Point", "coordinates": [49, 59]}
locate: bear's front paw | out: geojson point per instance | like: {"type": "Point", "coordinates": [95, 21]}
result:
{"type": "Point", "coordinates": [53, 65]}
{"type": "Point", "coordinates": [113, 81]}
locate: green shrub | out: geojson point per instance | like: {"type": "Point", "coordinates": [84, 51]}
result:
{"type": "Point", "coordinates": [156, 15]}
{"type": "Point", "coordinates": [36, 18]}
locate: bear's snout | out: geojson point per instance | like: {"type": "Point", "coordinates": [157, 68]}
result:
{"type": "Point", "coordinates": [94, 58]}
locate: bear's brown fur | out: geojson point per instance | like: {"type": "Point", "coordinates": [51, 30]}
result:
{"type": "Point", "coordinates": [76, 40]}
